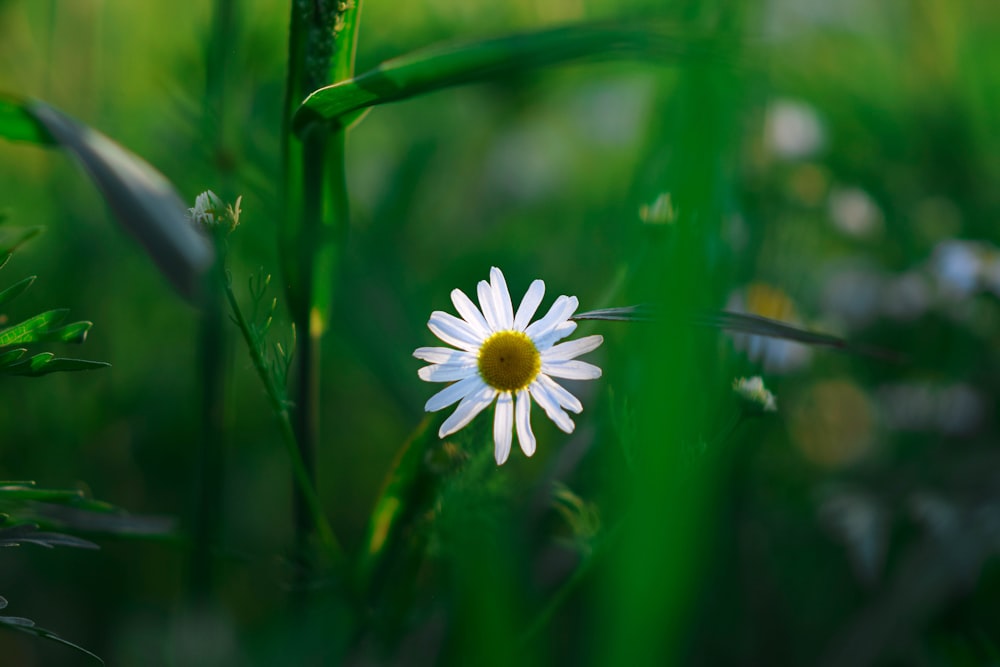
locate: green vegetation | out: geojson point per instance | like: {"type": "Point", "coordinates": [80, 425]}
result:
{"type": "Point", "coordinates": [780, 217]}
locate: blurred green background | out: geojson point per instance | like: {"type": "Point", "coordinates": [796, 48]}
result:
{"type": "Point", "coordinates": [835, 166]}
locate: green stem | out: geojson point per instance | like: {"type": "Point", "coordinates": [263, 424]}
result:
{"type": "Point", "coordinates": [557, 599]}
{"type": "Point", "coordinates": [212, 351]}
{"type": "Point", "coordinates": [300, 471]}
{"type": "Point", "coordinates": [322, 40]}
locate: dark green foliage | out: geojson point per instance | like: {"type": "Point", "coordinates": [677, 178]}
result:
{"type": "Point", "coordinates": [45, 327]}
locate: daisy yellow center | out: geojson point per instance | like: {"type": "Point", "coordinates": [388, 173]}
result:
{"type": "Point", "coordinates": [509, 360]}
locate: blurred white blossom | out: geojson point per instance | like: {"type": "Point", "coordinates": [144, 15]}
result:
{"type": "Point", "coordinates": [792, 129]}
{"type": "Point", "coordinates": [754, 392]}
{"type": "Point", "coordinates": [955, 409]}
{"type": "Point", "coordinates": [855, 213]}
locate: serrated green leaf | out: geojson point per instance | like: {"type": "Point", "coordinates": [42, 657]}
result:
{"type": "Point", "coordinates": [445, 66]}
{"type": "Point", "coordinates": [16, 290]}
{"type": "Point", "coordinates": [27, 626]}
{"type": "Point", "coordinates": [17, 124]}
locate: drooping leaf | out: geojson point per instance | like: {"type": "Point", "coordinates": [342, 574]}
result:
{"type": "Point", "coordinates": [17, 124]}
{"type": "Point", "coordinates": [142, 199]}
{"type": "Point", "coordinates": [441, 67]}
{"type": "Point", "coordinates": [27, 626]}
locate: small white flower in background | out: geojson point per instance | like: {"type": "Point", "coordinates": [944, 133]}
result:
{"type": "Point", "coordinates": [855, 213]}
{"type": "Point", "coordinates": [956, 265]}
{"type": "Point", "coordinates": [754, 392]}
{"type": "Point", "coordinates": [793, 130]}
{"type": "Point", "coordinates": [503, 357]}
{"type": "Point", "coordinates": [210, 211]}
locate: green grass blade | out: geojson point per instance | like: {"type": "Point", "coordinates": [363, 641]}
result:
{"type": "Point", "coordinates": [28, 626]}
{"type": "Point", "coordinates": [17, 124]}
{"type": "Point", "coordinates": [442, 67]}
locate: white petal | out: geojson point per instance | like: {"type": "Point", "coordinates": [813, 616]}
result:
{"type": "Point", "coordinates": [443, 355]}
{"type": "Point", "coordinates": [467, 410]}
{"type": "Point", "coordinates": [446, 372]}
{"type": "Point", "coordinates": [454, 392]}
{"type": "Point", "coordinates": [549, 403]}
{"type": "Point", "coordinates": [503, 425]}
{"type": "Point", "coordinates": [561, 394]}
{"type": "Point", "coordinates": [571, 370]}
{"type": "Point", "coordinates": [485, 292]}
{"type": "Point", "coordinates": [557, 333]}
{"type": "Point", "coordinates": [523, 418]}
{"type": "Point", "coordinates": [561, 310]}
{"type": "Point", "coordinates": [501, 298]}
{"type": "Point", "coordinates": [529, 304]}
{"type": "Point", "coordinates": [469, 312]}
{"type": "Point", "coordinates": [573, 348]}
{"type": "Point", "coordinates": [452, 330]}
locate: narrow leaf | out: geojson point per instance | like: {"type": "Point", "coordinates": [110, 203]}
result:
{"type": "Point", "coordinates": [45, 363]}
{"type": "Point", "coordinates": [640, 313]}
{"type": "Point", "coordinates": [10, 356]}
{"type": "Point", "coordinates": [142, 199]}
{"type": "Point", "coordinates": [28, 626]}
{"type": "Point", "coordinates": [30, 534]}
{"type": "Point", "coordinates": [441, 67]}
{"type": "Point", "coordinates": [17, 124]}
{"type": "Point", "coordinates": [32, 329]}
{"type": "Point", "coordinates": [11, 238]}
{"type": "Point", "coordinates": [16, 290]}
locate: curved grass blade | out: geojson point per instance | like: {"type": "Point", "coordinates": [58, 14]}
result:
{"type": "Point", "coordinates": [396, 500]}
{"type": "Point", "coordinates": [142, 199]}
{"type": "Point", "coordinates": [640, 313]}
{"type": "Point", "coordinates": [744, 323]}
{"type": "Point", "coordinates": [17, 123]}
{"type": "Point", "coordinates": [27, 626]}
{"type": "Point", "coordinates": [441, 67]}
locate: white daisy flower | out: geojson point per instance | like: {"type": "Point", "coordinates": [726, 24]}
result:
{"type": "Point", "coordinates": [501, 356]}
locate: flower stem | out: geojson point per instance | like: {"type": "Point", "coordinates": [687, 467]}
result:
{"type": "Point", "coordinates": [327, 539]}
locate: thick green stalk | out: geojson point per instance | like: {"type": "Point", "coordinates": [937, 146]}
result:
{"type": "Point", "coordinates": [322, 40]}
